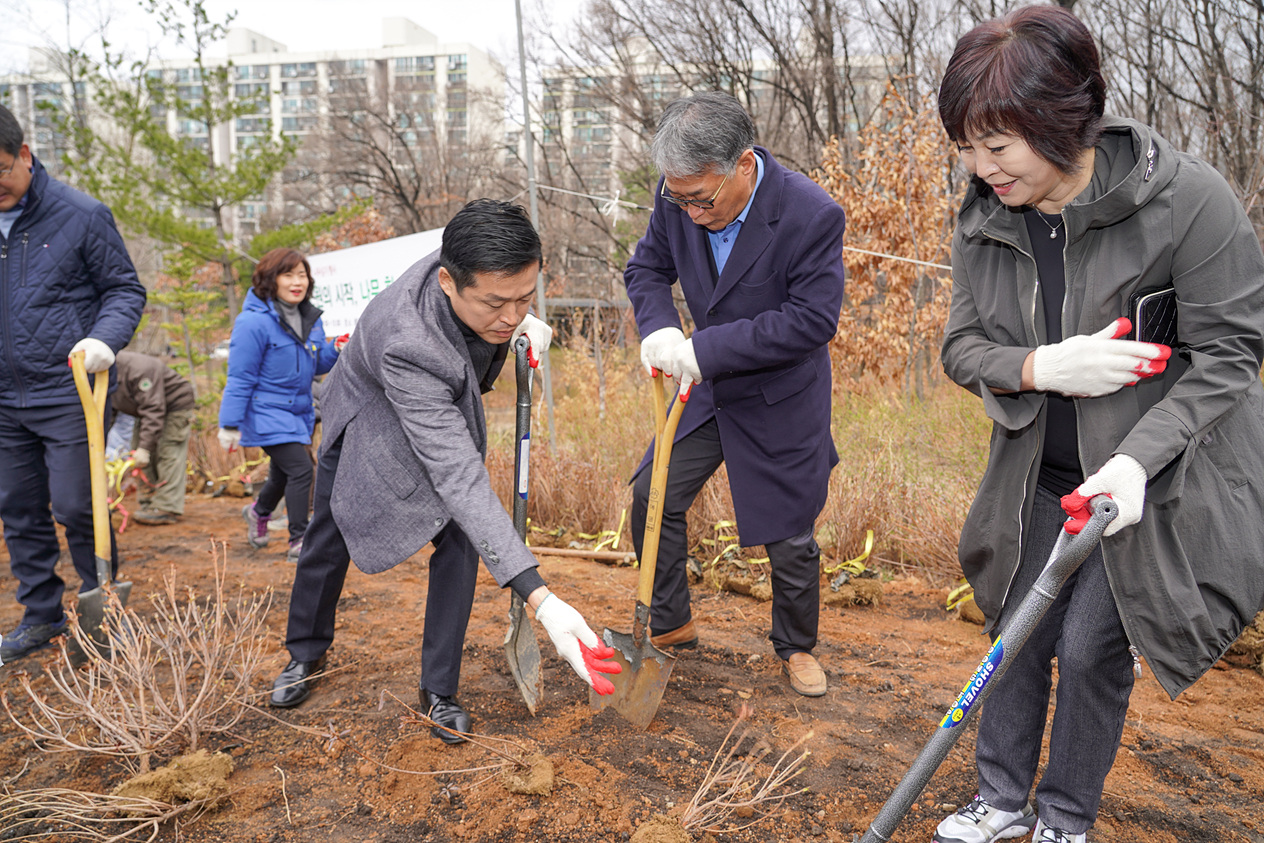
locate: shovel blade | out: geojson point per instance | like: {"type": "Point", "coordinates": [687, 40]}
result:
{"type": "Point", "coordinates": [523, 654]}
{"type": "Point", "coordinates": [639, 687]}
{"type": "Point", "coordinates": [92, 608]}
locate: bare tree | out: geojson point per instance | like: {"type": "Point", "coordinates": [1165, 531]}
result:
{"type": "Point", "coordinates": [386, 145]}
{"type": "Point", "coordinates": [1193, 69]}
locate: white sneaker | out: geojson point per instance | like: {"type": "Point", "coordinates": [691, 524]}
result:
{"type": "Point", "coordinates": [980, 822]}
{"type": "Point", "coordinates": [1045, 834]}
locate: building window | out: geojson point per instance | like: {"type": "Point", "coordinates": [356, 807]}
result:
{"type": "Point", "coordinates": [301, 69]}
{"type": "Point", "coordinates": [456, 63]}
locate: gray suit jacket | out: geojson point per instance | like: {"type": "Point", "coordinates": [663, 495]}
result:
{"type": "Point", "coordinates": [406, 400]}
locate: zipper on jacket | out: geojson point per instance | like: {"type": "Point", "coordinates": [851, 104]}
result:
{"type": "Point", "coordinates": [6, 313]}
{"type": "Point", "coordinates": [1022, 504]}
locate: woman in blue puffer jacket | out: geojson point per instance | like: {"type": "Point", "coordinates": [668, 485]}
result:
{"type": "Point", "coordinates": [277, 348]}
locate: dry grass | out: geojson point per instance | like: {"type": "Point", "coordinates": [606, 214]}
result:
{"type": "Point", "coordinates": [908, 468]}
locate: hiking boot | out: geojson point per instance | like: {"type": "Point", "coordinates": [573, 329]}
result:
{"type": "Point", "coordinates": [296, 548]}
{"type": "Point", "coordinates": [155, 517]}
{"type": "Point", "coordinates": [1045, 834]}
{"type": "Point", "coordinates": [28, 638]}
{"type": "Point", "coordinates": [681, 638]}
{"type": "Point", "coordinates": [980, 822]}
{"type": "Point", "coordinates": [257, 526]}
{"type": "Point", "coordinates": [806, 675]}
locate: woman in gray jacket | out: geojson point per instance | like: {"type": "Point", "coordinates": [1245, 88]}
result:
{"type": "Point", "coordinates": [1068, 216]}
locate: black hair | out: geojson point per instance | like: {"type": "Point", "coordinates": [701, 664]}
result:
{"type": "Point", "coordinates": [1034, 73]}
{"type": "Point", "coordinates": [11, 136]}
{"type": "Point", "coordinates": [488, 236]}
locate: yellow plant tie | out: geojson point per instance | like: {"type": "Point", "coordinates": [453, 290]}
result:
{"type": "Point", "coordinates": [855, 566]}
{"type": "Point", "coordinates": [959, 595]}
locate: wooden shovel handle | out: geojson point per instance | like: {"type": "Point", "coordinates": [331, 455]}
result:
{"type": "Point", "coordinates": [93, 401]}
{"type": "Point", "coordinates": [658, 488]}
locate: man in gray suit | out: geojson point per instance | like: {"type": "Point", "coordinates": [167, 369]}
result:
{"type": "Point", "coordinates": [402, 460]}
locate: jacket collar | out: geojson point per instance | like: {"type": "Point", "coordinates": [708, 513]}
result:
{"type": "Point", "coordinates": [308, 311]}
{"type": "Point", "coordinates": [758, 229]}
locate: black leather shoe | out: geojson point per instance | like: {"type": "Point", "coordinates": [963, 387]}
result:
{"type": "Point", "coordinates": [445, 711]}
{"type": "Point", "coordinates": [295, 683]}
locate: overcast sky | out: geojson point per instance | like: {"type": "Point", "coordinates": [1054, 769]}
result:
{"type": "Point", "coordinates": [301, 25]}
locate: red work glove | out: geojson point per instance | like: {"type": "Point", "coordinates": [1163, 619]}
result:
{"type": "Point", "coordinates": [1124, 480]}
{"type": "Point", "coordinates": [1093, 365]}
{"type": "Point", "coordinates": [341, 342]}
{"type": "Point", "coordinates": [539, 336]}
{"type": "Point", "coordinates": [576, 643]}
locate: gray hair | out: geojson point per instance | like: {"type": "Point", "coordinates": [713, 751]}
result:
{"type": "Point", "coordinates": [702, 133]}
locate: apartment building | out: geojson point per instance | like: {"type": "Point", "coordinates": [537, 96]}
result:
{"type": "Point", "coordinates": [430, 90]}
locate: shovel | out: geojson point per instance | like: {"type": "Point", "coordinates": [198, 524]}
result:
{"type": "Point", "coordinates": [638, 688]}
{"type": "Point", "coordinates": [91, 607]}
{"type": "Point", "coordinates": [520, 645]}
{"type": "Point", "coordinates": [1069, 552]}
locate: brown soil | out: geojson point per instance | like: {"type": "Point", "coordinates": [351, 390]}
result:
{"type": "Point", "coordinates": [1190, 770]}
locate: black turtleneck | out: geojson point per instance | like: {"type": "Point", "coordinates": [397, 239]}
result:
{"type": "Point", "coordinates": [488, 359]}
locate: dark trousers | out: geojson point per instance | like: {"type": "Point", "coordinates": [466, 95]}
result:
{"type": "Point", "coordinates": [290, 474]}
{"type": "Point", "coordinates": [795, 561]}
{"type": "Point", "coordinates": [322, 569]}
{"type": "Point", "coordinates": [44, 475]}
{"type": "Point", "coordinates": [1083, 631]}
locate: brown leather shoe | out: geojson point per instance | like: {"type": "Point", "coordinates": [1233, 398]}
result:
{"type": "Point", "coordinates": [806, 675]}
{"type": "Point", "coordinates": [681, 638]}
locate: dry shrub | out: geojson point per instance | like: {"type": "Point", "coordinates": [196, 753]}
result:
{"type": "Point", "coordinates": [740, 789]}
{"type": "Point", "coordinates": [896, 188]}
{"type": "Point", "coordinates": [47, 814]}
{"type": "Point", "coordinates": [165, 682]}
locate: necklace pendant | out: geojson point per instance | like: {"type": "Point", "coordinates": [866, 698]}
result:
{"type": "Point", "coordinates": [1053, 235]}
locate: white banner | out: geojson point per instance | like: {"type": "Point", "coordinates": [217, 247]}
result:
{"type": "Point", "coordinates": [345, 281]}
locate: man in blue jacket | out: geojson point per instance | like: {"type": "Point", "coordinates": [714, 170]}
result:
{"type": "Point", "coordinates": [66, 284]}
{"type": "Point", "coordinates": [758, 252]}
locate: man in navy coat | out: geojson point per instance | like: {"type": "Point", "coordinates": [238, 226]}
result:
{"type": "Point", "coordinates": [757, 250]}
{"type": "Point", "coordinates": [66, 285]}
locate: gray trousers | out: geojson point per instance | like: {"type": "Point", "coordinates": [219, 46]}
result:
{"type": "Point", "coordinates": [167, 471]}
{"type": "Point", "coordinates": [1083, 632]}
{"type": "Point", "coordinates": [795, 561]}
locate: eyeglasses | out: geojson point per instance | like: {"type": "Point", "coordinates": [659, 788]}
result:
{"type": "Point", "coordinates": [704, 204]}
{"type": "Point", "coordinates": [4, 174]}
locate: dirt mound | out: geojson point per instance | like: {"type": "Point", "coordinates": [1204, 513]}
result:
{"type": "Point", "coordinates": [189, 778]}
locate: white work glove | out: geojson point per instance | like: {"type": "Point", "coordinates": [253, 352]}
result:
{"type": "Point", "coordinates": [97, 356]}
{"type": "Point", "coordinates": [1093, 365]}
{"type": "Point", "coordinates": [682, 364]}
{"type": "Point", "coordinates": [140, 457]}
{"type": "Point", "coordinates": [229, 439]}
{"type": "Point", "coordinates": [576, 643]}
{"type": "Point", "coordinates": [1124, 480]}
{"type": "Point", "coordinates": [657, 347]}
{"type": "Point", "coordinates": [539, 334]}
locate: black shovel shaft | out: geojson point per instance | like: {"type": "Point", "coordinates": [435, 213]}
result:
{"type": "Point", "coordinates": [523, 436]}
{"type": "Point", "coordinates": [1068, 554]}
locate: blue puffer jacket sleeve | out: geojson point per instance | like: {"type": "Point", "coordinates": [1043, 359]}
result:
{"type": "Point", "coordinates": [246, 350]}
{"type": "Point", "coordinates": [326, 355]}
